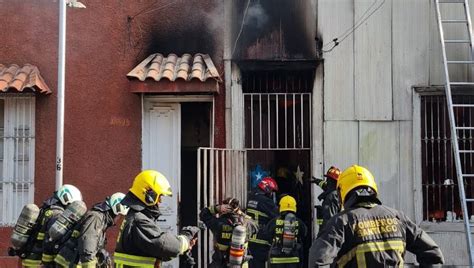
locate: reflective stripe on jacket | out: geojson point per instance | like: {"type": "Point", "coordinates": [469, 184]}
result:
{"type": "Point", "coordinates": [141, 238]}
{"type": "Point", "coordinates": [275, 229]}
{"type": "Point", "coordinates": [122, 259]}
{"type": "Point", "coordinates": [372, 235]}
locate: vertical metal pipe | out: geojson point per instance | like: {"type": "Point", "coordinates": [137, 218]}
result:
{"type": "Point", "coordinates": [277, 130]}
{"type": "Point", "coordinates": [294, 120]}
{"type": "Point", "coordinates": [301, 122]}
{"type": "Point", "coordinates": [251, 120]}
{"type": "Point", "coordinates": [198, 206]}
{"type": "Point", "coordinates": [268, 113]}
{"type": "Point", "coordinates": [61, 93]}
{"type": "Point", "coordinates": [286, 122]}
{"type": "Point", "coordinates": [205, 204]}
{"type": "Point", "coordinates": [260, 118]}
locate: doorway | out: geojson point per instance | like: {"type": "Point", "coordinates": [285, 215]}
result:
{"type": "Point", "coordinates": [173, 129]}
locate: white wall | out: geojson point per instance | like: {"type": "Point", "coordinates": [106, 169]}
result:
{"type": "Point", "coordinates": [368, 95]}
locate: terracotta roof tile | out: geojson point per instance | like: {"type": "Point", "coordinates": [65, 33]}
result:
{"type": "Point", "coordinates": [20, 79]}
{"type": "Point", "coordinates": [172, 67]}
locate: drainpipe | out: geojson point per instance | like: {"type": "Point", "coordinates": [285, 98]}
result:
{"type": "Point", "coordinates": [61, 77]}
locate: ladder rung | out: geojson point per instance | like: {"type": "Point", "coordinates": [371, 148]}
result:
{"type": "Point", "coordinates": [460, 62]}
{"type": "Point", "coordinates": [454, 21]}
{"type": "Point", "coordinates": [451, 1]}
{"type": "Point", "coordinates": [465, 128]}
{"type": "Point", "coordinates": [463, 105]}
{"type": "Point", "coordinates": [461, 83]}
{"type": "Point", "coordinates": [468, 175]}
{"type": "Point", "coordinates": [457, 41]}
{"type": "Point", "coordinates": [469, 200]}
{"type": "Point", "coordinates": [466, 151]}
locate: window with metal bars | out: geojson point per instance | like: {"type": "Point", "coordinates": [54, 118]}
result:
{"type": "Point", "coordinates": [439, 181]}
{"type": "Point", "coordinates": [16, 155]}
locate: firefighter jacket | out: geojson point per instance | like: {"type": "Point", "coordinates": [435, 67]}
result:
{"type": "Point", "coordinates": [369, 234]}
{"type": "Point", "coordinates": [274, 233]}
{"type": "Point", "coordinates": [141, 242]}
{"type": "Point", "coordinates": [33, 252]}
{"type": "Point", "coordinates": [262, 209]}
{"type": "Point", "coordinates": [222, 228]}
{"type": "Point", "coordinates": [330, 205]}
{"type": "Point", "coordinates": [87, 239]}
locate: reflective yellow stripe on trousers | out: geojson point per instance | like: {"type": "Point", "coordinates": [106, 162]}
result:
{"type": "Point", "coordinates": [398, 246]}
{"type": "Point", "coordinates": [280, 260]}
{"type": "Point", "coordinates": [89, 264]}
{"type": "Point", "coordinates": [31, 263]}
{"type": "Point", "coordinates": [122, 259]}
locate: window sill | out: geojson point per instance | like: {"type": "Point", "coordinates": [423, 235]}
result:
{"type": "Point", "coordinates": [436, 227]}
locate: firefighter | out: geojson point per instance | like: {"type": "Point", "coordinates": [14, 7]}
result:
{"type": "Point", "coordinates": [223, 220]}
{"type": "Point", "coordinates": [32, 253]}
{"type": "Point", "coordinates": [287, 233]}
{"type": "Point", "coordinates": [367, 233]}
{"type": "Point", "coordinates": [85, 245]}
{"type": "Point", "coordinates": [68, 194]}
{"type": "Point", "coordinates": [141, 242]}
{"type": "Point", "coordinates": [262, 208]}
{"type": "Point", "coordinates": [330, 205]}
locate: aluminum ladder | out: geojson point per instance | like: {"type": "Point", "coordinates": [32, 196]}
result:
{"type": "Point", "coordinates": [467, 40]}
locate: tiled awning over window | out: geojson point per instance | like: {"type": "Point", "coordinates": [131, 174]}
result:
{"type": "Point", "coordinates": [14, 78]}
{"type": "Point", "coordinates": [173, 74]}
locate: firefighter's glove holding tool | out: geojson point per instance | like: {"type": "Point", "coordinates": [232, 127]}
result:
{"type": "Point", "coordinates": [191, 233]}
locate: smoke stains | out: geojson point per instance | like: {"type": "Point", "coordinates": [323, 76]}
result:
{"type": "Point", "coordinates": [191, 26]}
{"type": "Point", "coordinates": [274, 29]}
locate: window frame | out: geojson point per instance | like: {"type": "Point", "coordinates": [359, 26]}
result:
{"type": "Point", "coordinates": [418, 93]}
{"type": "Point", "coordinates": [16, 108]}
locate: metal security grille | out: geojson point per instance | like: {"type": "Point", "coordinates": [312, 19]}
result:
{"type": "Point", "coordinates": [221, 174]}
{"type": "Point", "coordinates": [277, 121]}
{"type": "Point", "coordinates": [17, 155]}
{"type": "Point", "coordinates": [440, 189]}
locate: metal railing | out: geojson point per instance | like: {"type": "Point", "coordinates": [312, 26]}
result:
{"type": "Point", "coordinates": [221, 173]}
{"type": "Point", "coordinates": [439, 180]}
{"type": "Point", "coordinates": [277, 121]}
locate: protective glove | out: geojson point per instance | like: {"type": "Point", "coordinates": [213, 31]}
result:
{"type": "Point", "coordinates": [320, 182]}
{"type": "Point", "coordinates": [190, 232]}
{"type": "Point", "coordinates": [223, 209]}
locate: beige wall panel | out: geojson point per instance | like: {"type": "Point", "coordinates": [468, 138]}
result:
{"type": "Point", "coordinates": [379, 151]}
{"type": "Point", "coordinates": [372, 62]}
{"type": "Point", "coordinates": [410, 52]}
{"type": "Point", "coordinates": [340, 143]}
{"type": "Point", "coordinates": [406, 186]}
{"type": "Point", "coordinates": [334, 18]}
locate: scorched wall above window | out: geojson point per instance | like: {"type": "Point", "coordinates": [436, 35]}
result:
{"type": "Point", "coordinates": [274, 29]}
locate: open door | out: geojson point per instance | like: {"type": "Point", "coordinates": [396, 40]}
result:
{"type": "Point", "coordinates": [161, 151]}
{"type": "Point", "coordinates": [221, 173]}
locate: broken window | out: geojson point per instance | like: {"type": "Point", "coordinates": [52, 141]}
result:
{"type": "Point", "coordinates": [439, 181]}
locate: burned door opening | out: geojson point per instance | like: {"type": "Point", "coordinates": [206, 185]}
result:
{"type": "Point", "coordinates": [277, 116]}
{"type": "Point", "coordinates": [195, 133]}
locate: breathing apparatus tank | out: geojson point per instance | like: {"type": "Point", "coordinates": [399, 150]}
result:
{"type": "Point", "coordinates": [72, 214]}
{"type": "Point", "coordinates": [24, 225]}
{"type": "Point", "coordinates": [237, 246]}
{"type": "Point", "coordinates": [289, 233]}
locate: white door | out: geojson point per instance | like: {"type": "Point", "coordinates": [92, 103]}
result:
{"type": "Point", "coordinates": [161, 151]}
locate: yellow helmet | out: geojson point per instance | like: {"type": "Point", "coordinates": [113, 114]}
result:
{"type": "Point", "coordinates": [355, 176]}
{"type": "Point", "coordinates": [287, 203]}
{"type": "Point", "coordinates": [149, 185]}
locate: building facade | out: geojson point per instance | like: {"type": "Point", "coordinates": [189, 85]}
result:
{"type": "Point", "coordinates": [257, 85]}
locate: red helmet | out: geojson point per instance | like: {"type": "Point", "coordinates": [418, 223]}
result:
{"type": "Point", "coordinates": [333, 173]}
{"type": "Point", "coordinates": [268, 185]}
